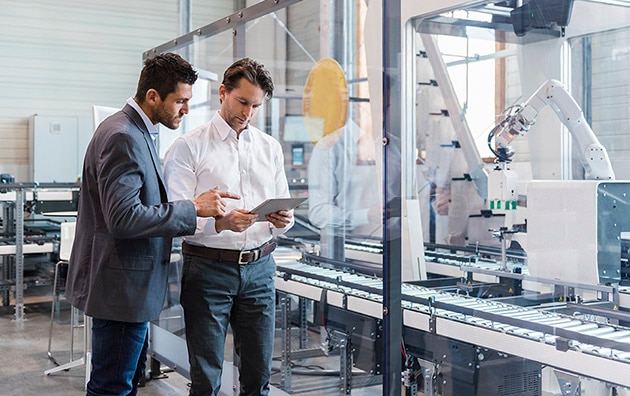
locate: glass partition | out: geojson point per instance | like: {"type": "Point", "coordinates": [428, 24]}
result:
{"type": "Point", "coordinates": [474, 179]}
{"type": "Point", "coordinates": [321, 112]}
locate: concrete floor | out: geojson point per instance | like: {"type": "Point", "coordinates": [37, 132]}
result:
{"type": "Point", "coordinates": [23, 356]}
{"type": "Point", "coordinates": [23, 359]}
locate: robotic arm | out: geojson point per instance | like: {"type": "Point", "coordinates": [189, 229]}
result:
{"type": "Point", "coordinates": [593, 155]}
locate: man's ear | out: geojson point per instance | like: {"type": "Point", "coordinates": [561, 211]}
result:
{"type": "Point", "coordinates": [222, 92]}
{"type": "Point", "coordinates": [152, 96]}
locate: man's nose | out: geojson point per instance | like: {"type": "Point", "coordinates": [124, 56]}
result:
{"type": "Point", "coordinates": [248, 111]}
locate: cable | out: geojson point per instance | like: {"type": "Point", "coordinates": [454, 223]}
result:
{"type": "Point", "coordinates": [507, 115]}
{"type": "Point", "coordinates": [500, 156]}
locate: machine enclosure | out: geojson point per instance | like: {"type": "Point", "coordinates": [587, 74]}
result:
{"type": "Point", "coordinates": [574, 230]}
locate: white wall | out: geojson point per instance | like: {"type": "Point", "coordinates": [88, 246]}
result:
{"type": "Point", "coordinates": [61, 57]}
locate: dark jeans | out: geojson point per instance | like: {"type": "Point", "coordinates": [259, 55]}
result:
{"type": "Point", "coordinates": [119, 351]}
{"type": "Point", "coordinates": [215, 294]}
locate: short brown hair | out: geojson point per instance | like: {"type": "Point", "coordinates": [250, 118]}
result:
{"type": "Point", "coordinates": [252, 71]}
{"type": "Point", "coordinates": [162, 73]}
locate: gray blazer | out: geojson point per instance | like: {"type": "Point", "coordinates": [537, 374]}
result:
{"type": "Point", "coordinates": [118, 267]}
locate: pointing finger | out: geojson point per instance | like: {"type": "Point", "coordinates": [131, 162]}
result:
{"type": "Point", "coordinates": [227, 194]}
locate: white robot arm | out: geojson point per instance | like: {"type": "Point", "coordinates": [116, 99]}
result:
{"type": "Point", "coordinates": [593, 155]}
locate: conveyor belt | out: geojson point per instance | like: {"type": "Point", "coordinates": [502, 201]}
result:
{"type": "Point", "coordinates": [593, 349]}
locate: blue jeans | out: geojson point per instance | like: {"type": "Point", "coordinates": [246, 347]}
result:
{"type": "Point", "coordinates": [215, 294]}
{"type": "Point", "coordinates": [119, 352]}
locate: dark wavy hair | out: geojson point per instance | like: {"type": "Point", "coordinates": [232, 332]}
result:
{"type": "Point", "coordinates": [162, 73]}
{"type": "Point", "coordinates": [251, 70]}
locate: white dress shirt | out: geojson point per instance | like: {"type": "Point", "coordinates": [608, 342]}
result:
{"type": "Point", "coordinates": [251, 166]}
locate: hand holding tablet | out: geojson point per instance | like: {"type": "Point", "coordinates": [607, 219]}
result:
{"type": "Point", "coordinates": [275, 205]}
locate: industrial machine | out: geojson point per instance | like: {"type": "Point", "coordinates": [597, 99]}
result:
{"type": "Point", "coordinates": [503, 183]}
{"type": "Point", "coordinates": [458, 344]}
{"type": "Point", "coordinates": [30, 228]}
{"type": "Point", "coordinates": [520, 118]}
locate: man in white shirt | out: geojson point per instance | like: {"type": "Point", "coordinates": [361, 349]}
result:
{"type": "Point", "coordinates": [228, 269]}
{"type": "Point", "coordinates": [343, 190]}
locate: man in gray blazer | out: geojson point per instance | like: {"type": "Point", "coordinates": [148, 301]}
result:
{"type": "Point", "coordinates": [118, 268]}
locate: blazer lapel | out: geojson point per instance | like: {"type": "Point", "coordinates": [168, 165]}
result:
{"type": "Point", "coordinates": [135, 117]}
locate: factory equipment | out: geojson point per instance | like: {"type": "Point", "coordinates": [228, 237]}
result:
{"type": "Point", "coordinates": [30, 232]}
{"type": "Point", "coordinates": [520, 118]}
{"type": "Point", "coordinates": [502, 181]}
{"type": "Point", "coordinates": [486, 320]}
{"type": "Point", "coordinates": [583, 219]}
{"type": "Point", "coordinates": [472, 346]}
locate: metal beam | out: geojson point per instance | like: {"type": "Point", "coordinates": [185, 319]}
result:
{"type": "Point", "coordinates": [230, 22]}
{"type": "Point", "coordinates": [392, 254]}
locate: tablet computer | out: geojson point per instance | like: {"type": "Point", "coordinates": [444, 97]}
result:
{"type": "Point", "coordinates": [274, 205]}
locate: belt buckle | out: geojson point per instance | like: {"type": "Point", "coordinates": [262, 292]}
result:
{"type": "Point", "coordinates": [256, 254]}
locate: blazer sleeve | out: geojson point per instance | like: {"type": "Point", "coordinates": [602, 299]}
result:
{"type": "Point", "coordinates": [129, 187]}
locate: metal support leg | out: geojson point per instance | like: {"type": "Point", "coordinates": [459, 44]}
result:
{"type": "Point", "coordinates": [19, 255]}
{"type": "Point", "coordinates": [410, 382]}
{"type": "Point", "coordinates": [55, 306]}
{"type": "Point", "coordinates": [412, 390]}
{"type": "Point", "coordinates": [8, 221]}
{"type": "Point", "coordinates": [87, 349]}
{"type": "Point", "coordinates": [285, 366]}
{"type": "Point", "coordinates": [86, 359]}
{"type": "Point", "coordinates": [303, 323]}
{"type": "Point", "coordinates": [6, 294]}
{"type": "Point", "coordinates": [569, 383]}
{"type": "Point", "coordinates": [428, 377]}
{"type": "Point", "coordinates": [345, 365]}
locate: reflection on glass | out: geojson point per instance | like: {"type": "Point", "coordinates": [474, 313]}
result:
{"type": "Point", "coordinates": [482, 64]}
{"type": "Point", "coordinates": [343, 190]}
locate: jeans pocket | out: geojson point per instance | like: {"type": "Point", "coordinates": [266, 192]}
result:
{"type": "Point", "coordinates": [99, 323]}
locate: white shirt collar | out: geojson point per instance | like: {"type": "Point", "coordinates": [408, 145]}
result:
{"type": "Point", "coordinates": [152, 128]}
{"type": "Point", "coordinates": [226, 130]}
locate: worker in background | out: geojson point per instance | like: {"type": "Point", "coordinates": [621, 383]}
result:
{"type": "Point", "coordinates": [118, 267]}
{"type": "Point", "coordinates": [343, 190]}
{"type": "Point", "coordinates": [228, 271]}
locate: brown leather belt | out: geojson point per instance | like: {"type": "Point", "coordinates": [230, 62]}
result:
{"type": "Point", "coordinates": [234, 256]}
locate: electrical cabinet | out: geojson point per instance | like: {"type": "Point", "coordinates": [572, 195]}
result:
{"type": "Point", "coordinates": [57, 147]}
